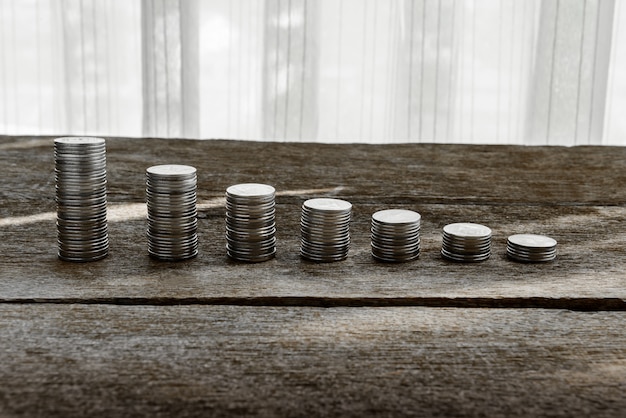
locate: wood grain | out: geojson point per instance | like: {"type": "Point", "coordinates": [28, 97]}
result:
{"type": "Point", "coordinates": [234, 361]}
{"type": "Point", "coordinates": [130, 336]}
{"type": "Point", "coordinates": [571, 194]}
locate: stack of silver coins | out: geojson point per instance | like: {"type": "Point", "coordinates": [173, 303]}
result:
{"type": "Point", "coordinates": [250, 225]}
{"type": "Point", "coordinates": [325, 229]}
{"type": "Point", "coordinates": [172, 213]}
{"type": "Point", "coordinates": [531, 248]}
{"type": "Point", "coordinates": [466, 242]}
{"type": "Point", "coordinates": [395, 235]}
{"type": "Point", "coordinates": [80, 172]}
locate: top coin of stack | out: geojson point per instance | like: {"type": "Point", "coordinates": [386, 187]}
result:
{"type": "Point", "coordinates": [466, 242]}
{"type": "Point", "coordinates": [250, 225]}
{"type": "Point", "coordinates": [325, 229]}
{"type": "Point", "coordinates": [172, 214]}
{"type": "Point", "coordinates": [80, 172]}
{"type": "Point", "coordinates": [395, 235]}
{"type": "Point", "coordinates": [531, 248]}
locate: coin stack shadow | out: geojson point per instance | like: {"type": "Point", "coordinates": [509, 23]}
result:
{"type": "Point", "coordinates": [395, 235]}
{"type": "Point", "coordinates": [80, 175]}
{"type": "Point", "coordinates": [466, 242]}
{"type": "Point", "coordinates": [325, 230]}
{"type": "Point", "coordinates": [172, 214]}
{"type": "Point", "coordinates": [531, 248]}
{"type": "Point", "coordinates": [250, 222]}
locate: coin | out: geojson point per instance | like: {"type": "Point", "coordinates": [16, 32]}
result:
{"type": "Point", "coordinates": [467, 230]}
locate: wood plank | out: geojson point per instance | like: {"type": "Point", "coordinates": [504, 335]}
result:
{"type": "Point", "coordinates": [231, 361]}
{"type": "Point", "coordinates": [410, 173]}
{"type": "Point", "coordinates": [591, 262]}
{"type": "Point", "coordinates": [549, 190]}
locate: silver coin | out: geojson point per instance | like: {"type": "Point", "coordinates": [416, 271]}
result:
{"type": "Point", "coordinates": [395, 259]}
{"type": "Point", "coordinates": [396, 247]}
{"type": "Point", "coordinates": [81, 258]}
{"type": "Point", "coordinates": [246, 217]}
{"type": "Point", "coordinates": [70, 232]}
{"type": "Point", "coordinates": [393, 231]}
{"type": "Point", "coordinates": [536, 257]}
{"type": "Point", "coordinates": [250, 211]}
{"type": "Point", "coordinates": [532, 241]}
{"type": "Point", "coordinates": [250, 258]}
{"type": "Point", "coordinates": [325, 228]}
{"type": "Point", "coordinates": [172, 242]}
{"type": "Point", "coordinates": [251, 243]}
{"type": "Point", "coordinates": [240, 252]}
{"type": "Point", "coordinates": [168, 213]}
{"type": "Point", "coordinates": [531, 258]}
{"type": "Point", "coordinates": [171, 170]}
{"type": "Point", "coordinates": [324, 224]}
{"type": "Point", "coordinates": [323, 258]}
{"type": "Point", "coordinates": [159, 230]}
{"type": "Point", "coordinates": [176, 193]}
{"type": "Point", "coordinates": [327, 205]}
{"type": "Point", "coordinates": [467, 230]}
{"type": "Point", "coordinates": [251, 226]}
{"type": "Point", "coordinates": [247, 190]}
{"type": "Point", "coordinates": [324, 214]}
{"type": "Point", "coordinates": [325, 247]}
{"type": "Point", "coordinates": [396, 216]}
{"type": "Point", "coordinates": [532, 255]}
{"type": "Point", "coordinates": [79, 141]}
{"type": "Point", "coordinates": [323, 238]}
{"type": "Point", "coordinates": [466, 241]}
{"type": "Point", "coordinates": [81, 215]}
{"type": "Point", "coordinates": [395, 243]}
{"type": "Point", "coordinates": [173, 257]}
{"type": "Point", "coordinates": [465, 258]}
{"type": "Point", "coordinates": [77, 245]}
{"type": "Point", "coordinates": [395, 237]}
{"type": "Point", "coordinates": [467, 248]}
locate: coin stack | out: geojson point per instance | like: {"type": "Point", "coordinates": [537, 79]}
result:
{"type": "Point", "coordinates": [325, 229]}
{"type": "Point", "coordinates": [250, 225]}
{"type": "Point", "coordinates": [172, 213]}
{"type": "Point", "coordinates": [80, 173]}
{"type": "Point", "coordinates": [466, 242]}
{"type": "Point", "coordinates": [395, 235]}
{"type": "Point", "coordinates": [531, 248]}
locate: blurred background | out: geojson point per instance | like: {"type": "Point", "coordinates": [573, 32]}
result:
{"type": "Point", "coordinates": [381, 71]}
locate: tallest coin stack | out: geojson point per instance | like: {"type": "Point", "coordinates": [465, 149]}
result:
{"type": "Point", "coordinates": [80, 172]}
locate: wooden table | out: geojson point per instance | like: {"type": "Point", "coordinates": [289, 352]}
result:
{"type": "Point", "coordinates": [131, 336]}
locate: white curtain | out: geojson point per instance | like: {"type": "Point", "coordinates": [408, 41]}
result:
{"type": "Point", "coordinates": [476, 71]}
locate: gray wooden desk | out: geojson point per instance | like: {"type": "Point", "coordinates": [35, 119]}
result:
{"type": "Point", "coordinates": [131, 336]}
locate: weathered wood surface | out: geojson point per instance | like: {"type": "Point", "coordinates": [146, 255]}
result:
{"type": "Point", "coordinates": [72, 345]}
{"type": "Point", "coordinates": [236, 361]}
{"type": "Point", "coordinates": [576, 195]}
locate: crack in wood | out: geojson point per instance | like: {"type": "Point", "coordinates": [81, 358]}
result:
{"type": "Point", "coordinates": [572, 304]}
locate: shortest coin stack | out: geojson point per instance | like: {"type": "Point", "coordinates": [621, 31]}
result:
{"type": "Point", "coordinates": [531, 248]}
{"type": "Point", "coordinates": [172, 214]}
{"type": "Point", "coordinates": [466, 242]}
{"type": "Point", "coordinates": [325, 229]}
{"type": "Point", "coordinates": [395, 235]}
{"type": "Point", "coordinates": [250, 222]}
